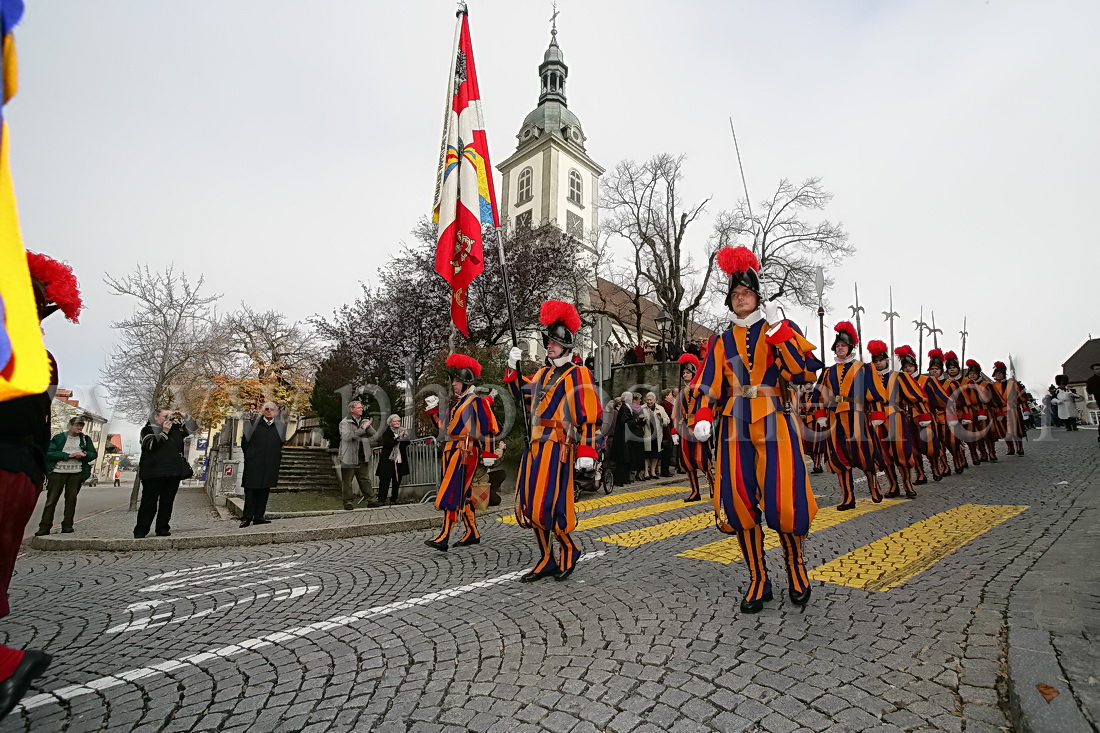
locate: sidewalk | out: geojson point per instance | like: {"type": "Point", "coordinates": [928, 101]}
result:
{"type": "Point", "coordinates": [197, 523]}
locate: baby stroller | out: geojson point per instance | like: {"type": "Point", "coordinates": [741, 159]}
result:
{"type": "Point", "coordinates": [599, 477]}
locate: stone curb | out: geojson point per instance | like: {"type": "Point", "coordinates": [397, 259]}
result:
{"type": "Point", "coordinates": [1031, 661]}
{"type": "Point", "coordinates": [243, 539]}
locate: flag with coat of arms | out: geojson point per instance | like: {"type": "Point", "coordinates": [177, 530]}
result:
{"type": "Point", "coordinates": [464, 195]}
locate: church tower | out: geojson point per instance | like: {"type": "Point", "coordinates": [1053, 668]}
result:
{"type": "Point", "coordinates": [550, 178]}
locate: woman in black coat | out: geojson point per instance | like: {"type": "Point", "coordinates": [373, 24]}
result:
{"type": "Point", "coordinates": [393, 459]}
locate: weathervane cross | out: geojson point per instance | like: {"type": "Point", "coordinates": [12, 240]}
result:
{"type": "Point", "coordinates": [554, 19]}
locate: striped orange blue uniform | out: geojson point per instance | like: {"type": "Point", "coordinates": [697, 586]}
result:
{"type": "Point", "coordinates": [1011, 416]}
{"type": "Point", "coordinates": [948, 418]}
{"type": "Point", "coordinates": [848, 392]}
{"type": "Point", "coordinates": [758, 451]}
{"type": "Point", "coordinates": [471, 430]}
{"type": "Point", "coordinates": [815, 441]}
{"type": "Point", "coordinates": [975, 421]}
{"type": "Point", "coordinates": [694, 455]}
{"type": "Point", "coordinates": [898, 435]}
{"type": "Point", "coordinates": [564, 410]}
{"type": "Point", "coordinates": [931, 439]}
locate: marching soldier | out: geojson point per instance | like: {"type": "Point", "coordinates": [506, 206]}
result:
{"type": "Point", "coordinates": [895, 435]}
{"type": "Point", "coordinates": [985, 403]}
{"type": "Point", "coordinates": [471, 430]}
{"type": "Point", "coordinates": [759, 469]}
{"type": "Point", "coordinates": [1010, 416]}
{"type": "Point", "coordinates": [939, 389]}
{"type": "Point", "coordinates": [964, 403]}
{"type": "Point", "coordinates": [849, 388]}
{"type": "Point", "coordinates": [695, 455]}
{"type": "Point", "coordinates": [925, 438]}
{"type": "Point", "coordinates": [814, 440]}
{"type": "Point", "coordinates": [564, 409]}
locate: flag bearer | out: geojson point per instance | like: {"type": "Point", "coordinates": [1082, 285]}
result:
{"type": "Point", "coordinates": [471, 430]}
{"type": "Point", "coordinates": [561, 400]}
{"type": "Point", "coordinates": [759, 469]}
{"type": "Point", "coordinates": [695, 455]}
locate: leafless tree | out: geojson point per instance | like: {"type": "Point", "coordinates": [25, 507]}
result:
{"type": "Point", "coordinates": [789, 247]}
{"type": "Point", "coordinates": [173, 328]}
{"type": "Point", "coordinates": [278, 353]}
{"type": "Point", "coordinates": [644, 206]}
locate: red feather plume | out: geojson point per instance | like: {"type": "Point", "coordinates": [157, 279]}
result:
{"type": "Point", "coordinates": [935, 354]}
{"type": "Point", "coordinates": [999, 365]}
{"type": "Point", "coordinates": [737, 259]}
{"type": "Point", "coordinates": [553, 311]}
{"type": "Point", "coordinates": [905, 350]}
{"type": "Point", "coordinates": [950, 356]}
{"type": "Point", "coordinates": [876, 347]}
{"type": "Point", "coordinates": [689, 359]}
{"type": "Point", "coordinates": [848, 328]}
{"type": "Point", "coordinates": [60, 283]}
{"type": "Point", "coordinates": [461, 361]}
{"type": "Point", "coordinates": [972, 363]}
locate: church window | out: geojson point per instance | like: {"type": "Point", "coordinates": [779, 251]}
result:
{"type": "Point", "coordinates": [523, 220]}
{"type": "Point", "coordinates": [526, 176]}
{"type": "Point", "coordinates": [576, 187]}
{"type": "Point", "coordinates": [574, 225]}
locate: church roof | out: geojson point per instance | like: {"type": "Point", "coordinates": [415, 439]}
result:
{"type": "Point", "coordinates": [1079, 366]}
{"type": "Point", "coordinates": [552, 115]}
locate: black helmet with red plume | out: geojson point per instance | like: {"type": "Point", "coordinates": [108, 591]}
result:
{"type": "Point", "coordinates": [935, 359]}
{"type": "Point", "coordinates": [463, 368]}
{"type": "Point", "coordinates": [743, 269]}
{"type": "Point", "coordinates": [906, 355]}
{"type": "Point", "coordinates": [689, 363]}
{"type": "Point", "coordinates": [55, 287]}
{"type": "Point", "coordinates": [560, 323]}
{"type": "Point", "coordinates": [877, 349]}
{"type": "Point", "coordinates": [845, 332]}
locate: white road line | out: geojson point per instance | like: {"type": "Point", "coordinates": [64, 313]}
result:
{"type": "Point", "coordinates": [153, 621]}
{"type": "Point", "coordinates": [214, 577]}
{"type": "Point", "coordinates": [161, 601]}
{"type": "Point", "coordinates": [217, 566]}
{"type": "Point", "coordinates": [232, 650]}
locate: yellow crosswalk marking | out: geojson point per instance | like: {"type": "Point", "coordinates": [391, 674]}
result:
{"type": "Point", "coordinates": [601, 520]}
{"type": "Point", "coordinates": [728, 551]}
{"type": "Point", "coordinates": [894, 559]}
{"type": "Point", "coordinates": [664, 530]}
{"type": "Point", "coordinates": [605, 501]}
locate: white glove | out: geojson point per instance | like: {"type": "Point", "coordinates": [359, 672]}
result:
{"type": "Point", "coordinates": [876, 423]}
{"type": "Point", "coordinates": [585, 463]}
{"type": "Point", "coordinates": [966, 422]}
{"type": "Point", "coordinates": [1027, 414]}
{"type": "Point", "coordinates": [924, 423]}
{"type": "Point", "coordinates": [952, 423]}
{"type": "Point", "coordinates": [431, 402]}
{"type": "Point", "coordinates": [702, 431]}
{"type": "Point", "coordinates": [983, 418]}
{"type": "Point", "coordinates": [675, 439]}
{"type": "Point", "coordinates": [771, 312]}
{"type": "Point", "coordinates": [823, 422]}
{"type": "Point", "coordinates": [514, 355]}
{"type": "Point", "coordinates": [488, 462]}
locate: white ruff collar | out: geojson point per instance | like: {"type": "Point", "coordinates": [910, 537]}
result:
{"type": "Point", "coordinates": [562, 360]}
{"type": "Point", "coordinates": [755, 316]}
{"type": "Point", "coordinates": [845, 360]}
{"type": "Point", "coordinates": [883, 372]}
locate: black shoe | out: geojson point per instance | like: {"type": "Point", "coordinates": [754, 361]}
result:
{"type": "Point", "coordinates": [373, 504]}
{"type": "Point", "coordinates": [893, 494]}
{"type": "Point", "coordinates": [994, 459]}
{"type": "Point", "coordinates": [563, 574]}
{"type": "Point", "coordinates": [693, 498]}
{"type": "Point", "coordinates": [845, 507]}
{"type": "Point", "coordinates": [755, 606]}
{"type": "Point", "coordinates": [33, 664]}
{"type": "Point", "coordinates": [532, 576]}
{"type": "Point", "coordinates": [920, 482]}
{"type": "Point", "coordinates": [959, 470]}
{"type": "Point", "coordinates": [937, 478]}
{"type": "Point", "coordinates": [1019, 452]}
{"type": "Point", "coordinates": [42, 533]}
{"type": "Point", "coordinates": [470, 541]}
{"type": "Point", "coordinates": [164, 534]}
{"type": "Point", "coordinates": [441, 546]}
{"type": "Point", "coordinates": [70, 530]}
{"type": "Point", "coordinates": [910, 494]}
{"type": "Point", "coordinates": [246, 523]}
{"type": "Point", "coordinates": [348, 507]}
{"type": "Point", "coordinates": [262, 521]}
{"type": "Point", "coordinates": [817, 469]}
{"type": "Point", "coordinates": [393, 503]}
{"type": "Point", "coordinates": [138, 536]}
{"type": "Point", "coordinates": [797, 598]}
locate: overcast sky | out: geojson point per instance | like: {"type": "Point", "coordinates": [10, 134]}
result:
{"type": "Point", "coordinates": [283, 150]}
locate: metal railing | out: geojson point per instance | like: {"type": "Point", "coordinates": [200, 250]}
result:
{"type": "Point", "coordinates": [425, 466]}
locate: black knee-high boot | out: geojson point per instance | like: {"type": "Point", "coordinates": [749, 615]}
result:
{"type": "Point", "coordinates": [799, 589]}
{"type": "Point", "coordinates": [760, 587]}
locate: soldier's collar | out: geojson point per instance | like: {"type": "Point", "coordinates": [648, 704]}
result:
{"type": "Point", "coordinates": [756, 315]}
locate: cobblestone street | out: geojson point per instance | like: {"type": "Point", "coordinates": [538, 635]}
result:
{"type": "Point", "coordinates": [907, 629]}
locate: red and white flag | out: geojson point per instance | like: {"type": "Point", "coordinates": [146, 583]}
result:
{"type": "Point", "coordinates": [464, 195]}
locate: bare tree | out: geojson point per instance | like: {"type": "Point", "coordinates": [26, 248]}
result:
{"type": "Point", "coordinates": [644, 206]}
{"type": "Point", "coordinates": [279, 354]}
{"type": "Point", "coordinates": [172, 329]}
{"type": "Point", "coordinates": [789, 247]}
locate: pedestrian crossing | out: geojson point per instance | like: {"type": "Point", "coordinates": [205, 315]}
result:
{"type": "Point", "coordinates": [881, 565]}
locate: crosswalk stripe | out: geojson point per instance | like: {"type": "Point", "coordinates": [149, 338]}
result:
{"type": "Point", "coordinates": [888, 562]}
{"type": "Point", "coordinates": [601, 520]}
{"type": "Point", "coordinates": [604, 501]}
{"type": "Point", "coordinates": [728, 551]}
{"type": "Point", "coordinates": [664, 530]}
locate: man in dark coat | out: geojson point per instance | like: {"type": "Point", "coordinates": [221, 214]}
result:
{"type": "Point", "coordinates": [161, 469]}
{"type": "Point", "coordinates": [262, 442]}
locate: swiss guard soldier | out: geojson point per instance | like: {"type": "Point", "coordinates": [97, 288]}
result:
{"type": "Point", "coordinates": [695, 455]}
{"type": "Point", "coordinates": [814, 440]}
{"type": "Point", "coordinates": [1010, 416]}
{"type": "Point", "coordinates": [925, 438]}
{"type": "Point", "coordinates": [895, 435]}
{"type": "Point", "coordinates": [759, 469]}
{"type": "Point", "coordinates": [471, 430]}
{"type": "Point", "coordinates": [564, 409]}
{"type": "Point", "coordinates": [957, 412]}
{"type": "Point", "coordinates": [985, 403]}
{"type": "Point", "coordinates": [849, 390]}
